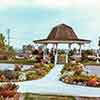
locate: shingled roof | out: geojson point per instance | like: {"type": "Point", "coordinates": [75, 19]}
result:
{"type": "Point", "coordinates": [62, 33]}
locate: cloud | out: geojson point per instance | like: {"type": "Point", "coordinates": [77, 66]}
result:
{"type": "Point", "coordinates": [87, 2]}
{"type": "Point", "coordinates": [52, 3]}
{"type": "Point", "coordinates": [66, 3]}
{"type": "Point", "coordinates": [5, 4]}
{"type": "Point", "coordinates": [49, 3]}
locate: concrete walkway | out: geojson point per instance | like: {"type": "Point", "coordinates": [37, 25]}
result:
{"type": "Point", "coordinates": [51, 85]}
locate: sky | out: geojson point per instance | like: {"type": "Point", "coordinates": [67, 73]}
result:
{"type": "Point", "coordinates": [33, 19]}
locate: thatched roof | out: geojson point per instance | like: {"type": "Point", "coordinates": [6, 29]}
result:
{"type": "Point", "coordinates": [62, 34]}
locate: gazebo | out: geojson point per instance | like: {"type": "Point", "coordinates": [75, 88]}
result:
{"type": "Point", "coordinates": [62, 34]}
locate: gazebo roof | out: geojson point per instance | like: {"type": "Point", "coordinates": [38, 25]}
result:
{"type": "Point", "coordinates": [62, 34]}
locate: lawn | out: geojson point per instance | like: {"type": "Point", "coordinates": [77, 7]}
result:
{"type": "Point", "coordinates": [30, 96]}
{"type": "Point", "coordinates": [18, 61]}
{"type": "Point", "coordinates": [91, 63]}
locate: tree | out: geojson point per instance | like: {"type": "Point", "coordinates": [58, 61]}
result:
{"type": "Point", "coordinates": [2, 42]}
{"type": "Point", "coordinates": [27, 47]}
{"type": "Point", "coordinates": [4, 48]}
{"type": "Point", "coordinates": [24, 48]}
{"type": "Point", "coordinates": [11, 52]}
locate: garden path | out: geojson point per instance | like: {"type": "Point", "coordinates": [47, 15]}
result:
{"type": "Point", "coordinates": [51, 85]}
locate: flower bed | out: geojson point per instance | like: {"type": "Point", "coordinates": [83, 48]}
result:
{"type": "Point", "coordinates": [74, 73]}
{"type": "Point", "coordinates": [8, 91]}
{"type": "Point", "coordinates": [36, 71]}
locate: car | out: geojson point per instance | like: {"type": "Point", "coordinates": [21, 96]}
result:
{"type": "Point", "coordinates": [19, 57]}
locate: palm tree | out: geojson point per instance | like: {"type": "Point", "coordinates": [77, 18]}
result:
{"type": "Point", "coordinates": [2, 38]}
{"type": "Point", "coordinates": [2, 42]}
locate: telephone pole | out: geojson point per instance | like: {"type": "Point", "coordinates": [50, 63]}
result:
{"type": "Point", "coordinates": [8, 33]}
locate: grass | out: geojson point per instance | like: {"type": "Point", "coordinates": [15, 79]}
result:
{"type": "Point", "coordinates": [91, 63]}
{"type": "Point", "coordinates": [30, 96]}
{"type": "Point", "coordinates": [28, 62]}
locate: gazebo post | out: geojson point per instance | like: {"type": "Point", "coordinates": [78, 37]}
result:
{"type": "Point", "coordinates": [53, 49]}
{"type": "Point", "coordinates": [45, 53]}
{"type": "Point", "coordinates": [69, 48]}
{"type": "Point", "coordinates": [80, 47]}
{"type": "Point", "coordinates": [56, 54]}
{"type": "Point", "coordinates": [66, 57]}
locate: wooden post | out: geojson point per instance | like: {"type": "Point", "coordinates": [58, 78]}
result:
{"type": "Point", "coordinates": [69, 48]}
{"type": "Point", "coordinates": [53, 49]}
{"type": "Point", "coordinates": [56, 54]}
{"type": "Point", "coordinates": [66, 57]}
{"type": "Point", "coordinates": [80, 49]}
{"type": "Point", "coordinates": [45, 53]}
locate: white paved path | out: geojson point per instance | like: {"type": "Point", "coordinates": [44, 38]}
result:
{"type": "Point", "coordinates": [50, 84]}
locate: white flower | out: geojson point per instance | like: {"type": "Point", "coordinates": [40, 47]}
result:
{"type": "Point", "coordinates": [68, 73]}
{"type": "Point", "coordinates": [84, 73]}
{"type": "Point", "coordinates": [22, 76]}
